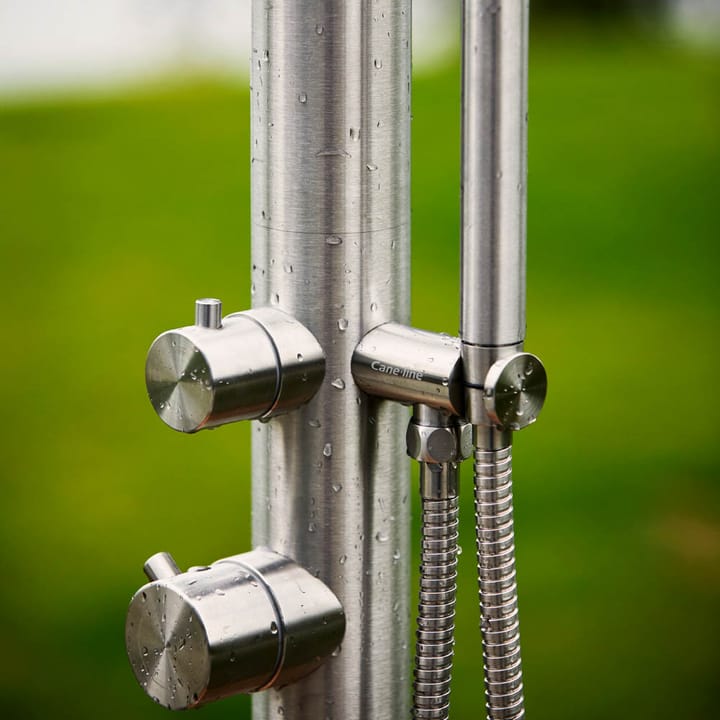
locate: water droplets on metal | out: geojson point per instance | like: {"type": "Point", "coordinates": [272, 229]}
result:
{"type": "Point", "coordinates": [338, 383]}
{"type": "Point", "coordinates": [302, 98]}
{"type": "Point", "coordinates": [333, 240]}
{"type": "Point", "coordinates": [342, 324]}
{"type": "Point", "coordinates": [327, 450]}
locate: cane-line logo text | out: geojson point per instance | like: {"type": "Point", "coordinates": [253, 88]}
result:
{"type": "Point", "coordinates": [396, 371]}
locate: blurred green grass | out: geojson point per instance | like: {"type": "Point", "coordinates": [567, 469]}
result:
{"type": "Point", "coordinates": [116, 213]}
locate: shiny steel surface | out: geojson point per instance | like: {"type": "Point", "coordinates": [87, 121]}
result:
{"type": "Point", "coordinates": [497, 584]}
{"type": "Point", "coordinates": [514, 391]}
{"type": "Point", "coordinates": [330, 235]}
{"type": "Point", "coordinates": [239, 625]}
{"type": "Point", "coordinates": [411, 366]}
{"type": "Point", "coordinates": [494, 170]}
{"type": "Point", "coordinates": [256, 364]}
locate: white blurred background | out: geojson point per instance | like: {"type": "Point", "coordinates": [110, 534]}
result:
{"type": "Point", "coordinates": [48, 45]}
{"type": "Point", "coordinates": [54, 45]}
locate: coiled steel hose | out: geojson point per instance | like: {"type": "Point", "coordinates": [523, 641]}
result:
{"type": "Point", "coordinates": [436, 609]}
{"type": "Point", "coordinates": [497, 585]}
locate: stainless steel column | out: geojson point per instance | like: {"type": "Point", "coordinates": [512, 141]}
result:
{"type": "Point", "coordinates": [330, 236]}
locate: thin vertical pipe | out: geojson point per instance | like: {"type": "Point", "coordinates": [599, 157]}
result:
{"type": "Point", "coordinates": [494, 170]}
{"type": "Point", "coordinates": [330, 239]}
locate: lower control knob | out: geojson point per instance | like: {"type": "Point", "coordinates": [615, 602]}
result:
{"type": "Point", "coordinates": [243, 624]}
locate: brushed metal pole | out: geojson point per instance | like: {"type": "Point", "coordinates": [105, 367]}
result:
{"type": "Point", "coordinates": [330, 246]}
{"type": "Point", "coordinates": [505, 387]}
{"type": "Point", "coordinates": [494, 171]}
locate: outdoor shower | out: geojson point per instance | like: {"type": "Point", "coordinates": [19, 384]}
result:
{"type": "Point", "coordinates": [317, 614]}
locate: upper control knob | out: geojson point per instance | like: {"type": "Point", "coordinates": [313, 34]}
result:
{"type": "Point", "coordinates": [250, 365]}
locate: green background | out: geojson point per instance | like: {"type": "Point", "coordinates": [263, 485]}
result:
{"type": "Point", "coordinates": [116, 212]}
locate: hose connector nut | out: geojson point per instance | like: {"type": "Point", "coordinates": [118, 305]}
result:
{"type": "Point", "coordinates": [432, 444]}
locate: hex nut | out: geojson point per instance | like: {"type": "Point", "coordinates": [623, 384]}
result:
{"type": "Point", "coordinates": [465, 440]}
{"type": "Point", "coordinates": [432, 444]}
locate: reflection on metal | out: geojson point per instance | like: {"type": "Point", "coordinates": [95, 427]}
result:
{"type": "Point", "coordinates": [317, 616]}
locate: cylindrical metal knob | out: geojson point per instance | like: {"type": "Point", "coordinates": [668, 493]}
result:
{"type": "Point", "coordinates": [514, 391]}
{"type": "Point", "coordinates": [243, 624]}
{"type": "Point", "coordinates": [254, 364]}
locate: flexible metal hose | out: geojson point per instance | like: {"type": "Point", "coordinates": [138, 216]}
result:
{"type": "Point", "coordinates": [497, 585]}
{"type": "Point", "coordinates": [436, 609]}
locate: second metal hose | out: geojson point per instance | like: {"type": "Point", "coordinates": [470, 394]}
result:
{"type": "Point", "coordinates": [497, 584]}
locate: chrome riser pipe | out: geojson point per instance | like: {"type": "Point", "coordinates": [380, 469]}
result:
{"type": "Point", "coordinates": [494, 171]}
{"type": "Point", "coordinates": [330, 246]}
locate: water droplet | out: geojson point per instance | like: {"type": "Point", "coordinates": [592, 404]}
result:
{"type": "Point", "coordinates": [327, 450]}
{"type": "Point", "coordinates": [233, 657]}
{"type": "Point", "coordinates": [396, 555]}
{"type": "Point", "coordinates": [336, 487]}
{"type": "Point", "coordinates": [314, 422]}
{"type": "Point", "coordinates": [338, 383]}
{"type": "Point", "coordinates": [265, 55]}
{"type": "Point", "coordinates": [302, 98]}
{"type": "Point", "coordinates": [273, 628]}
{"type": "Point", "coordinates": [253, 289]}
{"type": "Point", "coordinates": [333, 240]}
{"type": "Point", "coordinates": [312, 527]}
{"type": "Point", "coordinates": [355, 134]}
{"type": "Point", "coordinates": [275, 299]}
{"type": "Point", "coordinates": [288, 268]}
{"type": "Point", "coordinates": [319, 29]}
{"type": "Point", "coordinates": [145, 652]}
{"type": "Point", "coordinates": [219, 592]}
{"type": "Point", "coordinates": [373, 307]}
{"type": "Point", "coordinates": [299, 356]}
{"type": "Point", "coordinates": [342, 324]}
{"type": "Point", "coordinates": [382, 536]}
{"type": "Point", "coordinates": [378, 63]}
{"type": "Point", "coordinates": [333, 152]}
{"type": "Point", "coordinates": [343, 559]}
{"type": "Point", "coordinates": [371, 167]}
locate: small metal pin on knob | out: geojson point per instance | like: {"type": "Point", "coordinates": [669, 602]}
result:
{"type": "Point", "coordinates": [208, 313]}
{"type": "Point", "coordinates": [160, 566]}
